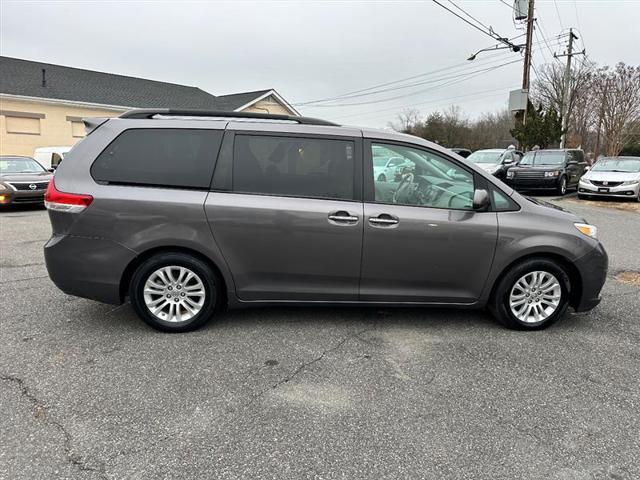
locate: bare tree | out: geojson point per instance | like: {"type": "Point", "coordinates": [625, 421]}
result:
{"type": "Point", "coordinates": [618, 93]}
{"type": "Point", "coordinates": [407, 121]}
{"type": "Point", "coordinates": [549, 89]}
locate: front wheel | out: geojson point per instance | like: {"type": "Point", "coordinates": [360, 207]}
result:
{"type": "Point", "coordinates": [174, 292]}
{"type": "Point", "coordinates": [382, 177]}
{"type": "Point", "coordinates": [562, 186]}
{"type": "Point", "coordinates": [532, 295]}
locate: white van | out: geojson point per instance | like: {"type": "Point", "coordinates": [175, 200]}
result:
{"type": "Point", "coordinates": [50, 157]}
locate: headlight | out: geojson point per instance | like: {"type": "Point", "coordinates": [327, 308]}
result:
{"type": "Point", "coordinates": [586, 180]}
{"type": "Point", "coordinates": [510, 173]}
{"type": "Point", "coordinates": [555, 173]}
{"type": "Point", "coordinates": [3, 187]}
{"type": "Point", "coordinates": [630, 182]}
{"type": "Point", "coordinates": [589, 230]}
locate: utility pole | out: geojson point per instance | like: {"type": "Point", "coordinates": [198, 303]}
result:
{"type": "Point", "coordinates": [528, 52]}
{"type": "Point", "coordinates": [565, 91]}
{"type": "Point", "coordinates": [527, 62]}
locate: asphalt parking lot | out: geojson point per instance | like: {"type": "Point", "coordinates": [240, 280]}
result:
{"type": "Point", "coordinates": [89, 391]}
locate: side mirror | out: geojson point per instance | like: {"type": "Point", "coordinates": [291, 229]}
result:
{"type": "Point", "coordinates": [507, 160]}
{"type": "Point", "coordinates": [481, 200]}
{"type": "Point", "coordinates": [52, 169]}
{"type": "Point", "coordinates": [587, 168]}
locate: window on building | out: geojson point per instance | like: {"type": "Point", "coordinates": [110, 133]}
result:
{"type": "Point", "coordinates": [293, 166]}
{"type": "Point", "coordinates": [22, 125]}
{"type": "Point", "coordinates": [77, 129]}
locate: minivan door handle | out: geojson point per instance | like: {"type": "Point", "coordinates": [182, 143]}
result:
{"type": "Point", "coordinates": [384, 220]}
{"type": "Point", "coordinates": [342, 217]}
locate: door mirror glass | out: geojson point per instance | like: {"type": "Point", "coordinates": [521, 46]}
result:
{"type": "Point", "coordinates": [481, 200]}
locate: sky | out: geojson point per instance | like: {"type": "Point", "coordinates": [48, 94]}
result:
{"type": "Point", "coordinates": [310, 51]}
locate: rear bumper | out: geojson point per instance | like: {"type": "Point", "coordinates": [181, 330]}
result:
{"type": "Point", "coordinates": [87, 267]}
{"type": "Point", "coordinates": [593, 272]}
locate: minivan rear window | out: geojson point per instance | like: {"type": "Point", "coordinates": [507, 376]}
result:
{"type": "Point", "coordinates": [293, 166]}
{"type": "Point", "coordinates": [172, 157]}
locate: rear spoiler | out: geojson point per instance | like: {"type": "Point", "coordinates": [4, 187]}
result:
{"type": "Point", "coordinates": [90, 124]}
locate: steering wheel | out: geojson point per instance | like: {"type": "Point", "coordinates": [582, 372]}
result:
{"type": "Point", "coordinates": [419, 193]}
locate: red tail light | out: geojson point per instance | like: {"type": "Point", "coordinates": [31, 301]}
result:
{"type": "Point", "coordinates": [65, 202]}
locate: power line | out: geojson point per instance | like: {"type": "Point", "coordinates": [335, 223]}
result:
{"type": "Point", "coordinates": [544, 36]}
{"type": "Point", "coordinates": [555, 3]}
{"type": "Point", "coordinates": [466, 77]}
{"type": "Point", "coordinates": [393, 82]}
{"type": "Point", "coordinates": [490, 32]}
{"type": "Point", "coordinates": [399, 107]}
{"type": "Point", "coordinates": [414, 84]}
{"type": "Point", "coordinates": [469, 15]}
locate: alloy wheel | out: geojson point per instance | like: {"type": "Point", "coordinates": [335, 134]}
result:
{"type": "Point", "coordinates": [535, 297]}
{"type": "Point", "coordinates": [174, 294]}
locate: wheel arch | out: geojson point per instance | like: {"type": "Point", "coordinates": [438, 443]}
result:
{"type": "Point", "coordinates": [575, 279]}
{"type": "Point", "coordinates": [127, 274]}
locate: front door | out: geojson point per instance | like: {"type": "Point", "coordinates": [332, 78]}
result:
{"type": "Point", "coordinates": [422, 240]}
{"type": "Point", "coordinates": [288, 217]}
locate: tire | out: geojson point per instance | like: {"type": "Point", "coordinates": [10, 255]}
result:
{"type": "Point", "coordinates": [544, 314]}
{"type": "Point", "coordinates": [382, 177]}
{"type": "Point", "coordinates": [562, 186]}
{"type": "Point", "coordinates": [187, 289]}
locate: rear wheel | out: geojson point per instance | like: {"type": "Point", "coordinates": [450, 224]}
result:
{"type": "Point", "coordinates": [532, 295]}
{"type": "Point", "coordinates": [382, 178]}
{"type": "Point", "coordinates": [174, 292]}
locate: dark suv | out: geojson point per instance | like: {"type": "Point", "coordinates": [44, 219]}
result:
{"type": "Point", "coordinates": [556, 170]}
{"type": "Point", "coordinates": [187, 212]}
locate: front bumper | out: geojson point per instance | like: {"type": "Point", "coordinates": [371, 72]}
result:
{"type": "Point", "coordinates": [593, 273]}
{"type": "Point", "coordinates": [15, 197]}
{"type": "Point", "coordinates": [620, 191]}
{"type": "Point", "coordinates": [87, 267]}
{"type": "Point", "coordinates": [539, 183]}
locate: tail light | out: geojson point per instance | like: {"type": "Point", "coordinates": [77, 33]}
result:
{"type": "Point", "coordinates": [65, 202]}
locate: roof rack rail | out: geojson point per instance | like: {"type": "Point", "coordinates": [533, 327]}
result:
{"type": "Point", "coordinates": [150, 113]}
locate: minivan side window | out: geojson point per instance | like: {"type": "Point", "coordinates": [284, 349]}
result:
{"type": "Point", "coordinates": [293, 166]}
{"type": "Point", "coordinates": [171, 157]}
{"type": "Point", "coordinates": [423, 178]}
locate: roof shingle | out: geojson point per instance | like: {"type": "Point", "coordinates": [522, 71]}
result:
{"type": "Point", "coordinates": [24, 77]}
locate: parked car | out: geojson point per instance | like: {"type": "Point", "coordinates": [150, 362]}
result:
{"type": "Point", "coordinates": [463, 152]}
{"type": "Point", "coordinates": [386, 165]}
{"type": "Point", "coordinates": [186, 216]}
{"type": "Point", "coordinates": [22, 180]}
{"type": "Point", "coordinates": [612, 177]}
{"type": "Point", "coordinates": [557, 170]}
{"type": "Point", "coordinates": [50, 157]}
{"type": "Point", "coordinates": [496, 161]}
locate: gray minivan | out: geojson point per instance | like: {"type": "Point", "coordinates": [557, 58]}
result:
{"type": "Point", "coordinates": [188, 212]}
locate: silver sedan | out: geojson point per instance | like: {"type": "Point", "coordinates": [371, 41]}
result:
{"type": "Point", "coordinates": [612, 177]}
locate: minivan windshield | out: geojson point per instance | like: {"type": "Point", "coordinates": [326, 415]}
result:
{"type": "Point", "coordinates": [541, 157]}
{"type": "Point", "coordinates": [626, 165]}
{"type": "Point", "coordinates": [20, 165]}
{"type": "Point", "coordinates": [485, 157]}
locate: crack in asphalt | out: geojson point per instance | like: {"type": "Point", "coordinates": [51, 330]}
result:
{"type": "Point", "coordinates": [307, 364]}
{"type": "Point", "coordinates": [24, 279]}
{"type": "Point", "coordinates": [41, 413]}
{"type": "Point", "coordinates": [20, 265]}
